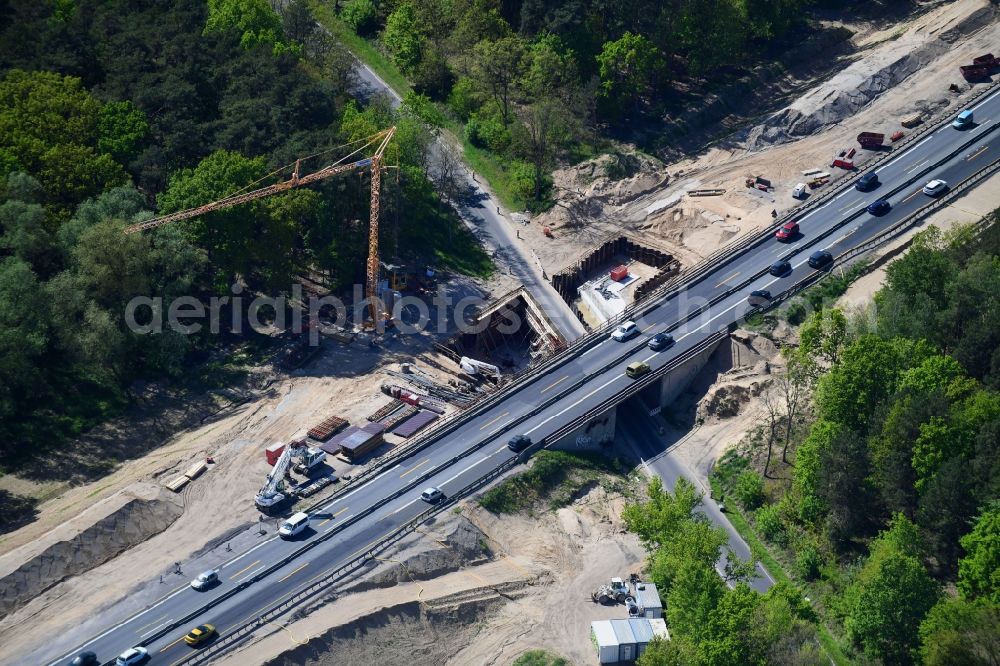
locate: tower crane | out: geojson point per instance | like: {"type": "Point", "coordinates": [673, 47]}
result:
{"type": "Point", "coordinates": [381, 139]}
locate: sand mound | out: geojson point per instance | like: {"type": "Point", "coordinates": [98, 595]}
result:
{"type": "Point", "coordinates": [404, 634]}
{"type": "Point", "coordinates": [863, 81]}
{"type": "Point", "coordinates": [137, 519]}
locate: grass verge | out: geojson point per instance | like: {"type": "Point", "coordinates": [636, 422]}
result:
{"type": "Point", "coordinates": [539, 658]}
{"type": "Point", "coordinates": [484, 163]}
{"type": "Point", "coordinates": [760, 551]}
{"type": "Point", "coordinates": [554, 475]}
{"type": "Point", "coordinates": [362, 49]}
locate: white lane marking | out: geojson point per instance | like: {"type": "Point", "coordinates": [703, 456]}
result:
{"type": "Point", "coordinates": [154, 629]}
{"type": "Point", "coordinates": [919, 143]}
{"type": "Point", "coordinates": [121, 624]}
{"type": "Point", "coordinates": [363, 485]}
{"type": "Point", "coordinates": [985, 100]}
{"type": "Point", "coordinates": [241, 556]}
{"type": "Point", "coordinates": [593, 349]}
{"type": "Point", "coordinates": [393, 513]}
{"type": "Point", "coordinates": [447, 481]}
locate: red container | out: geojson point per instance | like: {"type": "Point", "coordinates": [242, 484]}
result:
{"type": "Point", "coordinates": [619, 273]}
{"type": "Point", "coordinates": [987, 60]}
{"type": "Point", "coordinates": [844, 164]}
{"type": "Point", "coordinates": [273, 452]}
{"type": "Point", "coordinates": [975, 72]}
{"type": "Point", "coordinates": [870, 139]}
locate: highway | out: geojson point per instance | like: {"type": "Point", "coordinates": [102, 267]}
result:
{"type": "Point", "coordinates": [585, 382]}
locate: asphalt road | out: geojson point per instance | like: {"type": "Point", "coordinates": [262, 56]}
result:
{"type": "Point", "coordinates": [582, 384]}
{"type": "Point", "coordinates": [638, 429]}
{"type": "Point", "coordinates": [484, 213]}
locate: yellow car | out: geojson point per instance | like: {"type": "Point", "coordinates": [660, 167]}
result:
{"type": "Point", "coordinates": [200, 634]}
{"type": "Point", "coordinates": [637, 369]}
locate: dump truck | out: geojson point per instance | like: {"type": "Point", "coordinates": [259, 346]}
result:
{"type": "Point", "coordinates": [871, 140]}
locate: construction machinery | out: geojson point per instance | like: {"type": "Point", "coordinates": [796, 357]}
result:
{"type": "Point", "coordinates": [471, 366]}
{"type": "Point", "coordinates": [273, 494]}
{"type": "Point", "coordinates": [374, 162]}
{"type": "Point", "coordinates": [615, 592]}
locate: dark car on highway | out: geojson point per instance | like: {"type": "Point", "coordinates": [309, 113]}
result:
{"type": "Point", "coordinates": [880, 207]}
{"type": "Point", "coordinates": [87, 658]}
{"type": "Point", "coordinates": [820, 259]}
{"type": "Point", "coordinates": [759, 297]}
{"type": "Point", "coordinates": [867, 182]}
{"type": "Point", "coordinates": [519, 443]}
{"type": "Point", "coordinates": [780, 267]}
{"type": "Point", "coordinates": [660, 341]}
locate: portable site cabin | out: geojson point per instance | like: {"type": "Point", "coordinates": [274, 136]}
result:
{"type": "Point", "coordinates": [648, 599]}
{"type": "Point", "coordinates": [620, 641]}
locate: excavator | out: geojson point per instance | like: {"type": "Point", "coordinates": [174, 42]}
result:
{"type": "Point", "coordinates": [273, 494]}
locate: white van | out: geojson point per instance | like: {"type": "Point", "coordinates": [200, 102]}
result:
{"type": "Point", "coordinates": [799, 191]}
{"type": "Point", "coordinates": [294, 525]}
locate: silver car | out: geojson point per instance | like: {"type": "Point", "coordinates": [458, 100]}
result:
{"type": "Point", "coordinates": [935, 187]}
{"type": "Point", "coordinates": [136, 655]}
{"type": "Point", "coordinates": [206, 579]}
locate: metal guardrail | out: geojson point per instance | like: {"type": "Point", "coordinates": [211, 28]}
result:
{"type": "Point", "coordinates": [648, 303]}
{"type": "Point", "coordinates": [884, 237]}
{"type": "Point", "coordinates": [922, 212]}
{"type": "Point", "coordinates": [639, 384]}
{"type": "Point", "coordinates": [230, 640]}
{"type": "Point", "coordinates": [685, 279]}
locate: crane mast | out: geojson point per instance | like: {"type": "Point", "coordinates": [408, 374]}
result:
{"type": "Point", "coordinates": [374, 161]}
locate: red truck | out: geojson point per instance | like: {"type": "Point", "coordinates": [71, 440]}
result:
{"type": "Point", "coordinates": [871, 140]}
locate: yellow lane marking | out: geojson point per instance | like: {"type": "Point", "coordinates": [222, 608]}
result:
{"type": "Point", "coordinates": [911, 196]}
{"type": "Point", "coordinates": [850, 205]}
{"type": "Point", "coordinates": [554, 384]}
{"type": "Point", "coordinates": [487, 425]}
{"type": "Point", "coordinates": [976, 154]}
{"type": "Point", "coordinates": [292, 573]}
{"type": "Point", "coordinates": [725, 280]}
{"type": "Point", "coordinates": [334, 516]}
{"type": "Point", "coordinates": [415, 467]}
{"type": "Point", "coordinates": [244, 570]}
{"type": "Point", "coordinates": [173, 644]}
{"type": "Point", "coordinates": [275, 602]}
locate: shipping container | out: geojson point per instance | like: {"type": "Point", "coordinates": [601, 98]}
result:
{"type": "Point", "coordinates": [273, 452]}
{"type": "Point", "coordinates": [619, 273]}
{"type": "Point", "coordinates": [620, 641]}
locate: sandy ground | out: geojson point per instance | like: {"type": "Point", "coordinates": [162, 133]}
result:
{"type": "Point", "coordinates": [533, 592]}
{"type": "Point", "coordinates": [896, 72]}
{"type": "Point", "coordinates": [344, 380]}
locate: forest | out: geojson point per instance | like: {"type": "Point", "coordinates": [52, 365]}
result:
{"type": "Point", "coordinates": [531, 82]}
{"type": "Point", "coordinates": [881, 502]}
{"type": "Point", "coordinates": [111, 110]}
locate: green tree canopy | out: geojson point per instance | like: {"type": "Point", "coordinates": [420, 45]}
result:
{"type": "Point", "coordinates": [979, 570]}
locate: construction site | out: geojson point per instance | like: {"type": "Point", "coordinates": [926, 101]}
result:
{"type": "Point", "coordinates": [473, 587]}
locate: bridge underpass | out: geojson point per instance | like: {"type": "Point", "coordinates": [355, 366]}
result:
{"type": "Point", "coordinates": [634, 430]}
